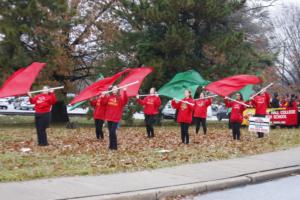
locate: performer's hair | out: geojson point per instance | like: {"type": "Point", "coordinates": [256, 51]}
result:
{"type": "Point", "coordinates": [190, 92]}
{"type": "Point", "coordinates": [242, 98]}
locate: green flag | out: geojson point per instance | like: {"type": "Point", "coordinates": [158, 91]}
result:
{"type": "Point", "coordinates": [181, 81]}
{"type": "Point", "coordinates": [247, 91]}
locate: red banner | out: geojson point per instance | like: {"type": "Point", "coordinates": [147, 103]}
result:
{"type": "Point", "coordinates": [288, 117]}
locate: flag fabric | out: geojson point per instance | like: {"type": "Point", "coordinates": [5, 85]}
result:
{"type": "Point", "coordinates": [100, 77]}
{"type": "Point", "coordinates": [247, 92]}
{"type": "Point", "coordinates": [229, 85]}
{"type": "Point", "coordinates": [95, 89]}
{"type": "Point", "coordinates": [135, 74]}
{"type": "Point", "coordinates": [20, 82]}
{"type": "Point", "coordinates": [190, 79]}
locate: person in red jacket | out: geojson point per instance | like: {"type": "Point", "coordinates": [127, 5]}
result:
{"type": "Point", "coordinates": [114, 105]}
{"type": "Point", "coordinates": [185, 114]}
{"type": "Point", "coordinates": [99, 115]}
{"type": "Point", "coordinates": [261, 103]}
{"type": "Point", "coordinates": [42, 104]}
{"type": "Point", "coordinates": [151, 105]}
{"type": "Point", "coordinates": [236, 115]}
{"type": "Point", "coordinates": [200, 112]}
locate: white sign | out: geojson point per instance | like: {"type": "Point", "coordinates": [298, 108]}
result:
{"type": "Point", "coordinates": [259, 124]}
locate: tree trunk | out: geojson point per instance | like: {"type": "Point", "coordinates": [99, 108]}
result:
{"type": "Point", "coordinates": [59, 113]}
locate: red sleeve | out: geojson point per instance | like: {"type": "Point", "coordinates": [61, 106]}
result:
{"type": "Point", "coordinates": [228, 104]}
{"type": "Point", "coordinates": [243, 107]}
{"type": "Point", "coordinates": [53, 98]}
{"type": "Point", "coordinates": [267, 99]}
{"type": "Point", "coordinates": [209, 102]}
{"type": "Point", "coordinates": [32, 100]}
{"type": "Point", "coordinates": [191, 104]}
{"type": "Point", "coordinates": [252, 103]}
{"type": "Point", "coordinates": [141, 101]}
{"type": "Point", "coordinates": [174, 104]}
{"type": "Point", "coordinates": [93, 103]}
{"type": "Point", "coordinates": [158, 101]}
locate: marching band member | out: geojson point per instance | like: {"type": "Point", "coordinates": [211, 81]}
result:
{"type": "Point", "coordinates": [185, 111]}
{"type": "Point", "coordinates": [151, 106]}
{"type": "Point", "coordinates": [114, 104]}
{"type": "Point", "coordinates": [236, 116]}
{"type": "Point", "coordinates": [261, 103]}
{"type": "Point", "coordinates": [42, 104]}
{"type": "Point", "coordinates": [99, 114]}
{"type": "Point", "coordinates": [200, 112]}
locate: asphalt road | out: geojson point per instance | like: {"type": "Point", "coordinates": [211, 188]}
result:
{"type": "Point", "coordinates": [282, 189]}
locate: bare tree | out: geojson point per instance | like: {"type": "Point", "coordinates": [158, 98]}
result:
{"type": "Point", "coordinates": [287, 44]}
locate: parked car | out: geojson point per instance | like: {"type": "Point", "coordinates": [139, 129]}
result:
{"type": "Point", "coordinates": [168, 112]}
{"type": "Point", "coordinates": [4, 103]}
{"type": "Point", "coordinates": [222, 113]}
{"type": "Point", "coordinates": [26, 105]}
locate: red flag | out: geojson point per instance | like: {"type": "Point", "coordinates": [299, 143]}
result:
{"type": "Point", "coordinates": [94, 89]}
{"type": "Point", "coordinates": [232, 84]}
{"type": "Point", "coordinates": [20, 82]}
{"type": "Point", "coordinates": [135, 74]}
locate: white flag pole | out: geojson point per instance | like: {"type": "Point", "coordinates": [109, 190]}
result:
{"type": "Point", "coordinates": [265, 88]}
{"type": "Point", "coordinates": [207, 97]}
{"type": "Point", "coordinates": [54, 88]}
{"type": "Point", "coordinates": [185, 102]}
{"type": "Point", "coordinates": [238, 102]}
{"type": "Point", "coordinates": [146, 95]}
{"type": "Point", "coordinates": [124, 86]}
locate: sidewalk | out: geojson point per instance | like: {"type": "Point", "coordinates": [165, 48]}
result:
{"type": "Point", "coordinates": [155, 184]}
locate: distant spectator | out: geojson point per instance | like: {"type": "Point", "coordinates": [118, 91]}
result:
{"type": "Point", "coordinates": [275, 101]}
{"type": "Point", "coordinates": [292, 102]}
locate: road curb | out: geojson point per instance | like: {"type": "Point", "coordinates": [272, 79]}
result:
{"type": "Point", "coordinates": [201, 187]}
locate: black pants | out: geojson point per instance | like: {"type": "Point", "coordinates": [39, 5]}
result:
{"type": "Point", "coordinates": [112, 128]}
{"type": "Point", "coordinates": [42, 121]}
{"type": "Point", "coordinates": [99, 125]}
{"type": "Point", "coordinates": [185, 133]}
{"type": "Point", "coordinates": [149, 122]}
{"type": "Point", "coordinates": [200, 121]}
{"type": "Point", "coordinates": [236, 132]}
{"type": "Point", "coordinates": [260, 134]}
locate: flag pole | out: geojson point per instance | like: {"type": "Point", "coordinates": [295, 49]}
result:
{"type": "Point", "coordinates": [146, 95]}
{"type": "Point", "coordinates": [184, 102]}
{"type": "Point", "coordinates": [54, 88]}
{"type": "Point", "coordinates": [265, 88]}
{"type": "Point", "coordinates": [124, 86]}
{"type": "Point", "coordinates": [237, 101]}
{"type": "Point", "coordinates": [207, 97]}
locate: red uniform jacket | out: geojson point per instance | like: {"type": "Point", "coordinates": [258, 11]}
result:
{"type": "Point", "coordinates": [236, 112]}
{"type": "Point", "coordinates": [114, 106]}
{"type": "Point", "coordinates": [261, 103]}
{"type": "Point", "coordinates": [43, 102]}
{"type": "Point", "coordinates": [185, 111]}
{"type": "Point", "coordinates": [200, 109]}
{"type": "Point", "coordinates": [99, 112]}
{"type": "Point", "coordinates": [151, 104]}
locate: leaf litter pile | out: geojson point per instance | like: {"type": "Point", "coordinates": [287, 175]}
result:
{"type": "Point", "coordinates": [78, 152]}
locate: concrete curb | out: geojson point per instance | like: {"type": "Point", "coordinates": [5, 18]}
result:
{"type": "Point", "coordinates": [201, 187]}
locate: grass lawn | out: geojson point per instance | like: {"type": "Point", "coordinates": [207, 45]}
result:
{"type": "Point", "coordinates": [77, 152]}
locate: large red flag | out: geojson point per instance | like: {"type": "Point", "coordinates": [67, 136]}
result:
{"type": "Point", "coordinates": [20, 82]}
{"type": "Point", "coordinates": [229, 85]}
{"type": "Point", "coordinates": [95, 89]}
{"type": "Point", "coordinates": [135, 74]}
